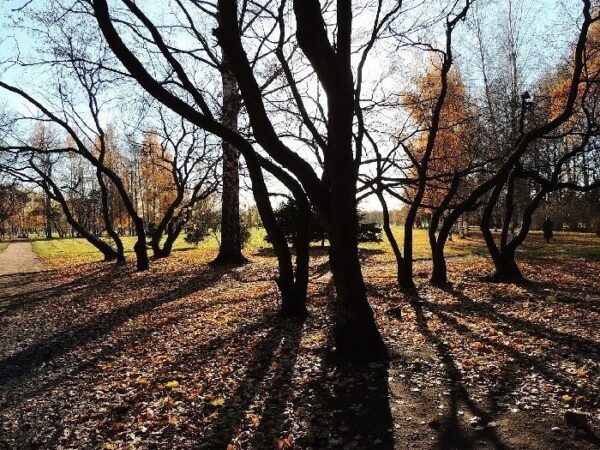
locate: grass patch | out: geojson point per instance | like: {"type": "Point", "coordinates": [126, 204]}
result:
{"type": "Point", "coordinates": [3, 246]}
{"type": "Point", "coordinates": [78, 250]}
{"type": "Point", "coordinates": [565, 244]}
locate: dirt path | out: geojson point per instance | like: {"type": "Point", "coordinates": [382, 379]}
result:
{"type": "Point", "coordinates": [19, 267]}
{"type": "Point", "coordinates": [19, 258]}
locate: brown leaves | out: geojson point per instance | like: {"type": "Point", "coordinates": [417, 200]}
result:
{"type": "Point", "coordinates": [187, 351]}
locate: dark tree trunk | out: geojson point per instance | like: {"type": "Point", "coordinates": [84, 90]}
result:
{"type": "Point", "coordinates": [48, 216]}
{"type": "Point", "coordinates": [139, 248]}
{"type": "Point", "coordinates": [302, 244]}
{"type": "Point", "coordinates": [507, 268]}
{"type": "Point", "coordinates": [400, 262]}
{"type": "Point", "coordinates": [107, 220]}
{"type": "Point", "coordinates": [230, 250]}
{"type": "Point", "coordinates": [356, 335]}
{"type": "Point", "coordinates": [166, 225]}
{"type": "Point", "coordinates": [171, 236]}
{"type": "Point", "coordinates": [503, 257]}
{"type": "Point", "coordinates": [439, 275]}
{"type": "Point", "coordinates": [292, 290]}
{"type": "Point", "coordinates": [107, 251]}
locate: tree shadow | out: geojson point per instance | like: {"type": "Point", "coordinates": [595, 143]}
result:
{"type": "Point", "coordinates": [355, 412]}
{"type": "Point", "coordinates": [26, 362]}
{"type": "Point", "coordinates": [451, 433]}
{"type": "Point", "coordinates": [269, 373]}
{"type": "Point", "coordinates": [42, 286]}
{"type": "Point", "coordinates": [567, 343]}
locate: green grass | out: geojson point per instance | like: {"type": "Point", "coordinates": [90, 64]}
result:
{"type": "Point", "coordinates": [565, 244]}
{"type": "Point", "coordinates": [79, 250]}
{"type": "Point", "coordinates": [3, 246]}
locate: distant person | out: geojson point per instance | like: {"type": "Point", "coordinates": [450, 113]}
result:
{"type": "Point", "coordinates": [548, 228]}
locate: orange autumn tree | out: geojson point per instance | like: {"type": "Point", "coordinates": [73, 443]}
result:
{"type": "Point", "coordinates": [158, 188]}
{"type": "Point", "coordinates": [453, 148]}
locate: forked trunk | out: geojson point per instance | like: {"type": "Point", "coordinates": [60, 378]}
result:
{"type": "Point", "coordinates": [507, 269]}
{"type": "Point", "coordinates": [120, 253]}
{"type": "Point", "coordinates": [170, 238]}
{"type": "Point", "coordinates": [401, 269]}
{"type": "Point", "coordinates": [293, 291]}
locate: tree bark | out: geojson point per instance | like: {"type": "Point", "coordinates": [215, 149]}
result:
{"type": "Point", "coordinates": [230, 250]}
{"type": "Point", "coordinates": [292, 286]}
{"type": "Point", "coordinates": [140, 249]}
{"type": "Point", "coordinates": [165, 225]}
{"type": "Point", "coordinates": [439, 275]}
{"type": "Point", "coordinates": [400, 262]}
{"type": "Point", "coordinates": [357, 338]}
{"type": "Point", "coordinates": [52, 191]}
{"type": "Point", "coordinates": [107, 220]}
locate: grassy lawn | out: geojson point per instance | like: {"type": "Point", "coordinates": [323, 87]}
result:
{"type": "Point", "coordinates": [3, 245]}
{"type": "Point", "coordinates": [567, 244]}
{"type": "Point", "coordinates": [79, 250]}
{"type": "Point", "coordinates": [564, 244]}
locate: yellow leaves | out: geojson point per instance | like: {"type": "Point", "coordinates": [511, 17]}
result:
{"type": "Point", "coordinates": [567, 398]}
{"type": "Point", "coordinates": [219, 401]}
{"type": "Point", "coordinates": [172, 384]}
{"type": "Point", "coordinates": [143, 381]}
{"type": "Point", "coordinates": [581, 372]}
{"type": "Point", "coordinates": [314, 341]}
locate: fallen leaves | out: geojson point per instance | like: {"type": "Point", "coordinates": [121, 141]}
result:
{"type": "Point", "coordinates": [220, 401]}
{"type": "Point", "coordinates": [187, 351]}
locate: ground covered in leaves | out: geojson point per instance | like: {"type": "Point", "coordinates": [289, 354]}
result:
{"type": "Point", "coordinates": [190, 356]}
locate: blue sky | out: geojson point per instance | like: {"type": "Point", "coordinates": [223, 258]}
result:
{"type": "Point", "coordinates": [547, 19]}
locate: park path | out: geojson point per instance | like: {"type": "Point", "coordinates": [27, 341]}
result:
{"type": "Point", "coordinates": [19, 270]}
{"type": "Point", "coordinates": [18, 258]}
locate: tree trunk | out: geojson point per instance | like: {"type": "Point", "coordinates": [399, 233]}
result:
{"type": "Point", "coordinates": [293, 291]}
{"type": "Point", "coordinates": [165, 225]}
{"type": "Point", "coordinates": [107, 251]}
{"type": "Point", "coordinates": [507, 268]}
{"type": "Point", "coordinates": [141, 252]}
{"type": "Point", "coordinates": [400, 262]}
{"type": "Point", "coordinates": [171, 236]}
{"type": "Point", "coordinates": [439, 275]}
{"type": "Point", "coordinates": [48, 216]}
{"type": "Point", "coordinates": [230, 250]}
{"type": "Point", "coordinates": [107, 220]}
{"type": "Point", "coordinates": [405, 275]}
{"type": "Point", "coordinates": [357, 338]}
{"type": "Point", "coordinates": [302, 244]}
